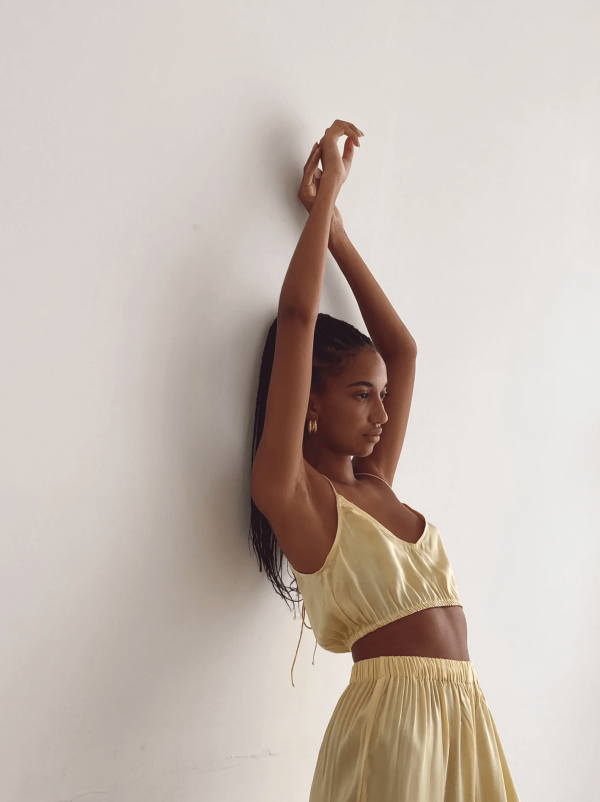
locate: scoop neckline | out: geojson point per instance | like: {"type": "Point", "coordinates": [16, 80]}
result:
{"type": "Point", "coordinates": [384, 528]}
{"type": "Point", "coordinates": [338, 532]}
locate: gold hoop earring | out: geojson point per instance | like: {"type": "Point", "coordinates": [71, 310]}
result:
{"type": "Point", "coordinates": [312, 426]}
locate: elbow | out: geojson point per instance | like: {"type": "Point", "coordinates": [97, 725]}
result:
{"type": "Point", "coordinates": [295, 313]}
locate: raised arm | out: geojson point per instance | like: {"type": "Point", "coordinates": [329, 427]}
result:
{"type": "Point", "coordinates": [395, 344]}
{"type": "Point", "coordinates": [388, 332]}
{"type": "Point", "coordinates": [278, 468]}
{"type": "Point", "coordinates": [392, 339]}
{"type": "Point", "coordinates": [301, 290]}
{"type": "Point", "coordinates": [386, 329]}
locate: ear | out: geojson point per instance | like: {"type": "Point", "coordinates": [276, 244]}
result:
{"type": "Point", "coordinates": [311, 404]}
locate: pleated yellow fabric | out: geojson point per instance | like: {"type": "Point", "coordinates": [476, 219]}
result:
{"type": "Point", "coordinates": [412, 729]}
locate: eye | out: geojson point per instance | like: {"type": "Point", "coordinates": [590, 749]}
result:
{"type": "Point", "coordinates": [361, 395]}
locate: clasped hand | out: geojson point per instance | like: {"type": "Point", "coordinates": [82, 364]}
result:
{"type": "Point", "coordinates": [335, 164]}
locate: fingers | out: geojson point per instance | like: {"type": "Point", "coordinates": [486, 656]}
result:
{"type": "Point", "coordinates": [345, 124]}
{"type": "Point", "coordinates": [312, 164]}
{"type": "Point", "coordinates": [343, 127]}
{"type": "Point", "coordinates": [348, 153]}
{"type": "Point", "coordinates": [334, 132]}
{"type": "Point", "coordinates": [312, 154]}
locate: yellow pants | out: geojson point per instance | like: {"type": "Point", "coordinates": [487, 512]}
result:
{"type": "Point", "coordinates": [412, 729]}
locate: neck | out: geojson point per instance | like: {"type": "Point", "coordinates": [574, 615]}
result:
{"type": "Point", "coordinates": [337, 467]}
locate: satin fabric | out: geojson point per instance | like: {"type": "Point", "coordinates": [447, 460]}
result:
{"type": "Point", "coordinates": [412, 729]}
{"type": "Point", "coordinates": [371, 577]}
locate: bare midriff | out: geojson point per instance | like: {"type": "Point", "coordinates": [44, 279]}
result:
{"type": "Point", "coordinates": [433, 632]}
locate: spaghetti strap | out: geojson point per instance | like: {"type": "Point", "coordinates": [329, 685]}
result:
{"type": "Point", "coordinates": [372, 474]}
{"type": "Point", "coordinates": [331, 483]}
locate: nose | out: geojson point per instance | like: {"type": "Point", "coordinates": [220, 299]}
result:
{"type": "Point", "coordinates": [380, 416]}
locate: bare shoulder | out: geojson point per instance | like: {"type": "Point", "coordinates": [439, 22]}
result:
{"type": "Point", "coordinates": [305, 524]}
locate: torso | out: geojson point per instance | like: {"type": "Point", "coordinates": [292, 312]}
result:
{"type": "Point", "coordinates": [433, 632]}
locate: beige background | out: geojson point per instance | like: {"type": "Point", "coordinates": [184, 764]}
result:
{"type": "Point", "coordinates": [150, 158]}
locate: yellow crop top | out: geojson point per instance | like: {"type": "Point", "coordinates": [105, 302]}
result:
{"type": "Point", "coordinates": [371, 578]}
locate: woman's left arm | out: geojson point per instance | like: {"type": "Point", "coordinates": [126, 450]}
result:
{"type": "Point", "coordinates": [388, 332]}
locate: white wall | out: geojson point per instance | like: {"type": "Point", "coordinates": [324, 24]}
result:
{"type": "Point", "coordinates": [150, 159]}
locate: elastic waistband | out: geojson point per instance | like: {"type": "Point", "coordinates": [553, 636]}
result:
{"type": "Point", "coordinates": [437, 668]}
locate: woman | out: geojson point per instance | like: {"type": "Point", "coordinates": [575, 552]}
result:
{"type": "Point", "coordinates": [413, 724]}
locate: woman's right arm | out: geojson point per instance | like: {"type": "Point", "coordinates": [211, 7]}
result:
{"type": "Point", "coordinates": [278, 471]}
{"type": "Point", "coordinates": [301, 290]}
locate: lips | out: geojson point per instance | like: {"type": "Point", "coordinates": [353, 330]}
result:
{"type": "Point", "coordinates": [372, 434]}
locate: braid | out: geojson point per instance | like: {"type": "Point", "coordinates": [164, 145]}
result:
{"type": "Point", "coordinates": [335, 343]}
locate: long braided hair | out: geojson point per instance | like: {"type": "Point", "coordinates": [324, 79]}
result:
{"type": "Point", "coordinates": [335, 344]}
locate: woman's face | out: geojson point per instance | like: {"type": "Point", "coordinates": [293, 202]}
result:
{"type": "Point", "coordinates": [352, 406]}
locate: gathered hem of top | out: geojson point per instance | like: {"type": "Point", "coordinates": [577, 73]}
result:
{"type": "Point", "coordinates": [449, 601]}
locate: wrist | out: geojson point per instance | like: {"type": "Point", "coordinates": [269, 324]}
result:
{"type": "Point", "coordinates": [337, 231]}
{"type": "Point", "coordinates": [331, 182]}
